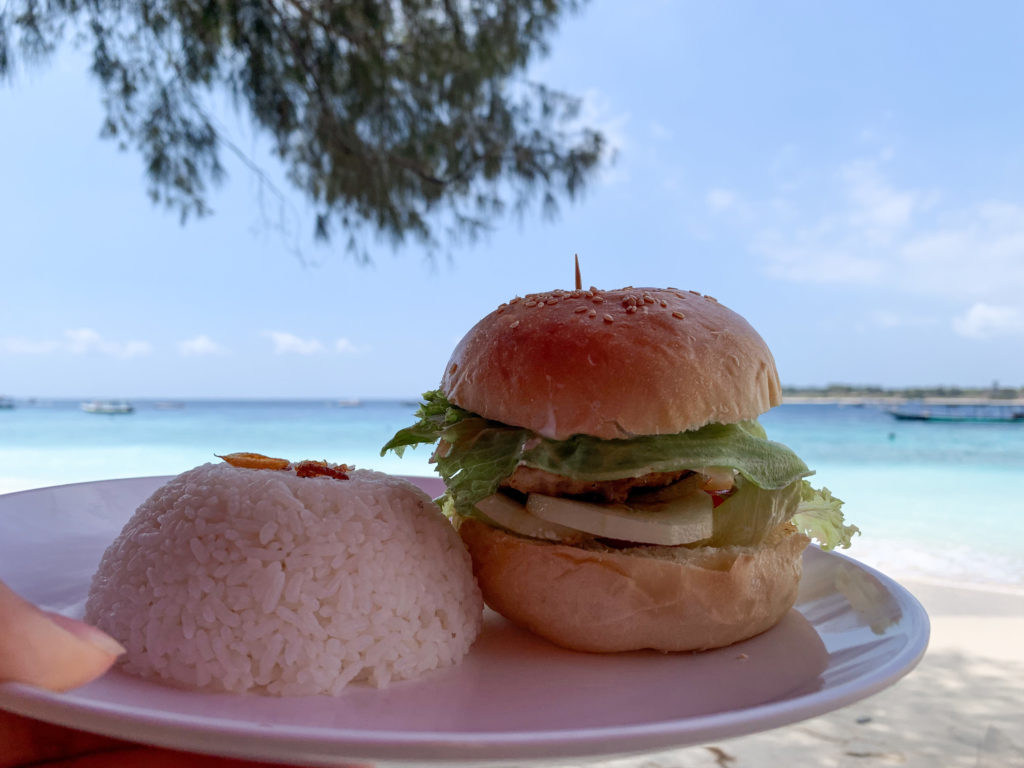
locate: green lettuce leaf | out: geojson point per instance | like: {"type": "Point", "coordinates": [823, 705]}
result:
{"type": "Point", "coordinates": [749, 513]}
{"type": "Point", "coordinates": [475, 454]}
{"type": "Point", "coordinates": [820, 516]}
{"type": "Point", "coordinates": [476, 458]}
{"type": "Point", "coordinates": [435, 415]}
{"type": "Point", "coordinates": [767, 464]}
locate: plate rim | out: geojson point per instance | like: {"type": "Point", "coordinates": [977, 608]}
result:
{"type": "Point", "coordinates": [326, 745]}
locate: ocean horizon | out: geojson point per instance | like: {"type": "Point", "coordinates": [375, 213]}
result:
{"type": "Point", "coordinates": [934, 501]}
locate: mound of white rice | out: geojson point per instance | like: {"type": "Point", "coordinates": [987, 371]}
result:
{"type": "Point", "coordinates": [241, 580]}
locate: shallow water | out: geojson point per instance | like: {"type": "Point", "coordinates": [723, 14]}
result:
{"type": "Point", "coordinates": [940, 500]}
{"type": "Point", "coordinates": [934, 500]}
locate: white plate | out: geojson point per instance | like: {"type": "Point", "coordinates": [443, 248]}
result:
{"type": "Point", "coordinates": [513, 698]}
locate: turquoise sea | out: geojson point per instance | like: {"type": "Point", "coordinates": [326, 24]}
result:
{"type": "Point", "coordinates": [941, 501]}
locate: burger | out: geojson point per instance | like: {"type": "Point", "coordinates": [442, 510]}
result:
{"type": "Point", "coordinates": [607, 473]}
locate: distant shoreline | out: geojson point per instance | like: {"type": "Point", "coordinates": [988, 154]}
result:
{"type": "Point", "coordinates": [798, 399]}
{"type": "Point", "coordinates": [795, 398]}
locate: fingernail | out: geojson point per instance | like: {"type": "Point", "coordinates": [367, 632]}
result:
{"type": "Point", "coordinates": [88, 633]}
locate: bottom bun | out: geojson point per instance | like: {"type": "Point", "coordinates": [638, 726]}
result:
{"type": "Point", "coordinates": [665, 598]}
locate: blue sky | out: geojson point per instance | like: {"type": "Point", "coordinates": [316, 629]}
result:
{"type": "Point", "coordinates": [848, 176]}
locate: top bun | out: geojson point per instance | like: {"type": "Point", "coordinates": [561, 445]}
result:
{"type": "Point", "coordinates": [613, 364]}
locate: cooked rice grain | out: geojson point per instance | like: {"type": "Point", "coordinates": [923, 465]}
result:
{"type": "Point", "coordinates": [241, 580]}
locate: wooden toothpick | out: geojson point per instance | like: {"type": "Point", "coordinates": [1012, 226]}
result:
{"type": "Point", "coordinates": [579, 280]}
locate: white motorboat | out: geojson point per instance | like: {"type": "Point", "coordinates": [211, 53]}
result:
{"type": "Point", "coordinates": [108, 406]}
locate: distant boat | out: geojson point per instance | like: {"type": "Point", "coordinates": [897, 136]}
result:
{"type": "Point", "coordinates": [960, 413]}
{"type": "Point", "coordinates": [108, 406]}
{"type": "Point", "coordinates": [168, 406]}
{"type": "Point", "coordinates": [348, 403]}
{"type": "Point", "coordinates": [6, 403]}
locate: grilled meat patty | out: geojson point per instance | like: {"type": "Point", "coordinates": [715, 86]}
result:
{"type": "Point", "coordinates": [531, 480]}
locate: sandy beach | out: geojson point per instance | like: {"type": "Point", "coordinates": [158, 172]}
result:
{"type": "Point", "coordinates": [963, 705]}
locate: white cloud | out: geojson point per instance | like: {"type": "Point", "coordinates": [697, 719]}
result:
{"type": "Point", "coordinates": [980, 254]}
{"type": "Point", "coordinates": [889, 319]}
{"type": "Point", "coordinates": [198, 346]}
{"type": "Point", "coordinates": [83, 341]}
{"type": "Point", "coordinates": [818, 265]}
{"type": "Point", "coordinates": [290, 344]}
{"type": "Point", "coordinates": [877, 207]}
{"type": "Point", "coordinates": [824, 253]}
{"type": "Point", "coordinates": [77, 341]}
{"type": "Point", "coordinates": [851, 242]}
{"type": "Point", "coordinates": [719, 199]}
{"type": "Point", "coordinates": [16, 345]}
{"type": "Point", "coordinates": [869, 230]}
{"type": "Point", "coordinates": [344, 346]}
{"type": "Point", "coordinates": [883, 318]}
{"type": "Point", "coordinates": [131, 349]}
{"type": "Point", "coordinates": [596, 112]}
{"type": "Point", "coordinates": [985, 321]}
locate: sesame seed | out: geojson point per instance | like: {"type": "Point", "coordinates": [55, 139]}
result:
{"type": "Point", "coordinates": [608, 319]}
{"type": "Point", "coordinates": [552, 300]}
{"type": "Point", "coordinates": [679, 315]}
{"type": "Point", "coordinates": [711, 298]}
{"type": "Point", "coordinates": [531, 303]}
{"type": "Point", "coordinates": [663, 303]}
{"type": "Point", "coordinates": [631, 310]}
{"type": "Point", "coordinates": [695, 293]}
{"type": "Point", "coordinates": [592, 313]}
{"type": "Point", "coordinates": [501, 309]}
{"type": "Point", "coordinates": [579, 309]}
{"type": "Point", "coordinates": [516, 300]}
{"type": "Point", "coordinates": [599, 299]}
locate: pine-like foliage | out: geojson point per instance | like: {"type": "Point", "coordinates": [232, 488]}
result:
{"type": "Point", "coordinates": [410, 117]}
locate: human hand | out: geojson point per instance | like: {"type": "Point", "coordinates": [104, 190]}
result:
{"type": "Point", "coordinates": [57, 653]}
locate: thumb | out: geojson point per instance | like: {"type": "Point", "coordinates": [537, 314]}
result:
{"type": "Point", "coordinates": [49, 650]}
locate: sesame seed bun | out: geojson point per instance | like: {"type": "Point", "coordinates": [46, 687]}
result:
{"type": "Point", "coordinates": [665, 598]}
{"type": "Point", "coordinates": [613, 364]}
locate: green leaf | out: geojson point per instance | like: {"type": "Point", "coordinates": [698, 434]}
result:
{"type": "Point", "coordinates": [477, 454]}
{"type": "Point", "coordinates": [749, 513]}
{"type": "Point", "coordinates": [478, 459]}
{"type": "Point", "coordinates": [436, 415]}
{"type": "Point", "coordinates": [765, 463]}
{"type": "Point", "coordinates": [820, 516]}
{"type": "Point", "coordinates": [407, 120]}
